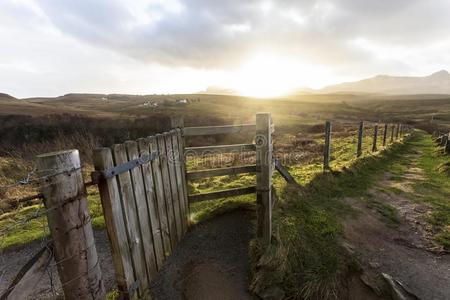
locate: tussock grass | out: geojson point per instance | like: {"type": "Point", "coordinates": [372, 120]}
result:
{"type": "Point", "coordinates": [307, 259]}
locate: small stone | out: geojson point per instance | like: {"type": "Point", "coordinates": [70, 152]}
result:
{"type": "Point", "coordinates": [374, 264]}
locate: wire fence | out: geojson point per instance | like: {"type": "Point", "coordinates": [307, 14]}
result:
{"type": "Point", "coordinates": [23, 222]}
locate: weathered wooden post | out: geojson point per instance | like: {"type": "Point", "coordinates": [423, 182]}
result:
{"type": "Point", "coordinates": [392, 133]}
{"type": "Point", "coordinates": [264, 147]}
{"type": "Point", "coordinates": [360, 139]}
{"type": "Point", "coordinates": [375, 138]}
{"type": "Point", "coordinates": [397, 131]}
{"type": "Point", "coordinates": [444, 140]}
{"type": "Point", "coordinates": [447, 144]}
{"type": "Point", "coordinates": [327, 146]}
{"type": "Point", "coordinates": [385, 134]}
{"type": "Point", "coordinates": [70, 226]}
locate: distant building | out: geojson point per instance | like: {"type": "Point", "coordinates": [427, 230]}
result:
{"type": "Point", "coordinates": [182, 101]}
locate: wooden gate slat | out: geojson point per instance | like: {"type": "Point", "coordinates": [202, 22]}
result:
{"type": "Point", "coordinates": [142, 210]}
{"type": "Point", "coordinates": [160, 198]}
{"type": "Point", "coordinates": [167, 190]}
{"type": "Point", "coordinates": [150, 190]}
{"type": "Point", "coordinates": [179, 179]}
{"type": "Point", "coordinates": [131, 218]}
{"type": "Point", "coordinates": [115, 223]}
{"type": "Point", "coordinates": [173, 183]}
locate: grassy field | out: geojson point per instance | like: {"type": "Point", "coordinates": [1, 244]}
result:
{"type": "Point", "coordinates": [307, 220]}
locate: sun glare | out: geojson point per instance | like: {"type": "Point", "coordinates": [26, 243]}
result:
{"type": "Point", "coordinates": [265, 76]}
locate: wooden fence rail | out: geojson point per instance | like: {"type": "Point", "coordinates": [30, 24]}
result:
{"type": "Point", "coordinates": [397, 132]}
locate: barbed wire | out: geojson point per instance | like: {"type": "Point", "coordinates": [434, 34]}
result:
{"type": "Point", "coordinates": [29, 179]}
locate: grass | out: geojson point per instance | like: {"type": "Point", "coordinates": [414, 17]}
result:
{"type": "Point", "coordinates": [22, 232]}
{"type": "Point", "coordinates": [308, 260]}
{"type": "Point", "coordinates": [435, 190]}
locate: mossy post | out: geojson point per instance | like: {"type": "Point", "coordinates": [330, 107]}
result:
{"type": "Point", "coordinates": [327, 146]}
{"type": "Point", "coordinates": [70, 226]}
{"type": "Point", "coordinates": [360, 139]}
{"type": "Point", "coordinates": [264, 148]}
{"type": "Point", "coordinates": [385, 134]}
{"type": "Point", "coordinates": [375, 138]}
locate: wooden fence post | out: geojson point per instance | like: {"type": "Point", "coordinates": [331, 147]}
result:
{"type": "Point", "coordinates": [397, 131]}
{"type": "Point", "coordinates": [385, 134]}
{"type": "Point", "coordinates": [360, 139]}
{"type": "Point", "coordinates": [70, 226]}
{"type": "Point", "coordinates": [444, 140]}
{"type": "Point", "coordinates": [392, 133]}
{"type": "Point", "coordinates": [327, 146]}
{"type": "Point", "coordinates": [264, 147]}
{"type": "Point", "coordinates": [447, 144]}
{"type": "Point", "coordinates": [375, 138]}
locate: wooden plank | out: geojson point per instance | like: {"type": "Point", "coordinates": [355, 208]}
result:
{"type": "Point", "coordinates": [212, 130]}
{"type": "Point", "coordinates": [115, 223]}
{"type": "Point", "coordinates": [152, 206]}
{"type": "Point", "coordinates": [209, 150]}
{"type": "Point", "coordinates": [181, 144]}
{"type": "Point", "coordinates": [327, 146]}
{"type": "Point", "coordinates": [160, 197]}
{"type": "Point", "coordinates": [193, 175]}
{"type": "Point", "coordinates": [142, 211]}
{"type": "Point", "coordinates": [263, 140]}
{"type": "Point", "coordinates": [222, 194]}
{"type": "Point", "coordinates": [65, 200]}
{"type": "Point", "coordinates": [375, 138]}
{"type": "Point", "coordinates": [284, 172]}
{"type": "Point", "coordinates": [27, 279]}
{"type": "Point", "coordinates": [167, 191]}
{"type": "Point", "coordinates": [173, 183]}
{"type": "Point", "coordinates": [179, 179]}
{"type": "Point", "coordinates": [131, 219]}
{"type": "Point", "coordinates": [360, 139]}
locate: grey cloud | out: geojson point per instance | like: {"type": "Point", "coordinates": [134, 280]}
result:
{"type": "Point", "coordinates": [198, 36]}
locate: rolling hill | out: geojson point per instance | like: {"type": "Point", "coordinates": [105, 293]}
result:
{"type": "Point", "coordinates": [436, 83]}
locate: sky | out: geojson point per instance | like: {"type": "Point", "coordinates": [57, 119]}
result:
{"type": "Point", "coordinates": [258, 48]}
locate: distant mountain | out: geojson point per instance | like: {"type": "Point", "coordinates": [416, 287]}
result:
{"type": "Point", "coordinates": [4, 96]}
{"type": "Point", "coordinates": [436, 83]}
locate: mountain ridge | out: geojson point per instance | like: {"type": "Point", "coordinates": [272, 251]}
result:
{"type": "Point", "coordinates": [435, 83]}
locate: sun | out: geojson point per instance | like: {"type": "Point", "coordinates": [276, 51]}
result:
{"type": "Point", "coordinates": [266, 76]}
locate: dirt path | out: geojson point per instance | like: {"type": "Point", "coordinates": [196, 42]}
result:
{"type": "Point", "coordinates": [50, 287]}
{"type": "Point", "coordinates": [404, 251]}
{"type": "Point", "coordinates": [211, 262]}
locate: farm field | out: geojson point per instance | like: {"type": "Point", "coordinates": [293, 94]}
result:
{"type": "Point", "coordinates": [319, 211]}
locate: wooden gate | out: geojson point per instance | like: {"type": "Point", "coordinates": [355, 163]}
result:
{"type": "Point", "coordinates": [143, 193]}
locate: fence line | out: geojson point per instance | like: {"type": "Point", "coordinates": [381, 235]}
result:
{"type": "Point", "coordinates": [143, 189]}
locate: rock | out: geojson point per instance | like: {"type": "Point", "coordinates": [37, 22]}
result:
{"type": "Point", "coordinates": [374, 264]}
{"type": "Point", "coordinates": [398, 291]}
{"type": "Point", "coordinates": [272, 293]}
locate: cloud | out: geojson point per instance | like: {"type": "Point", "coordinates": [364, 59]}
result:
{"type": "Point", "coordinates": [353, 37]}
